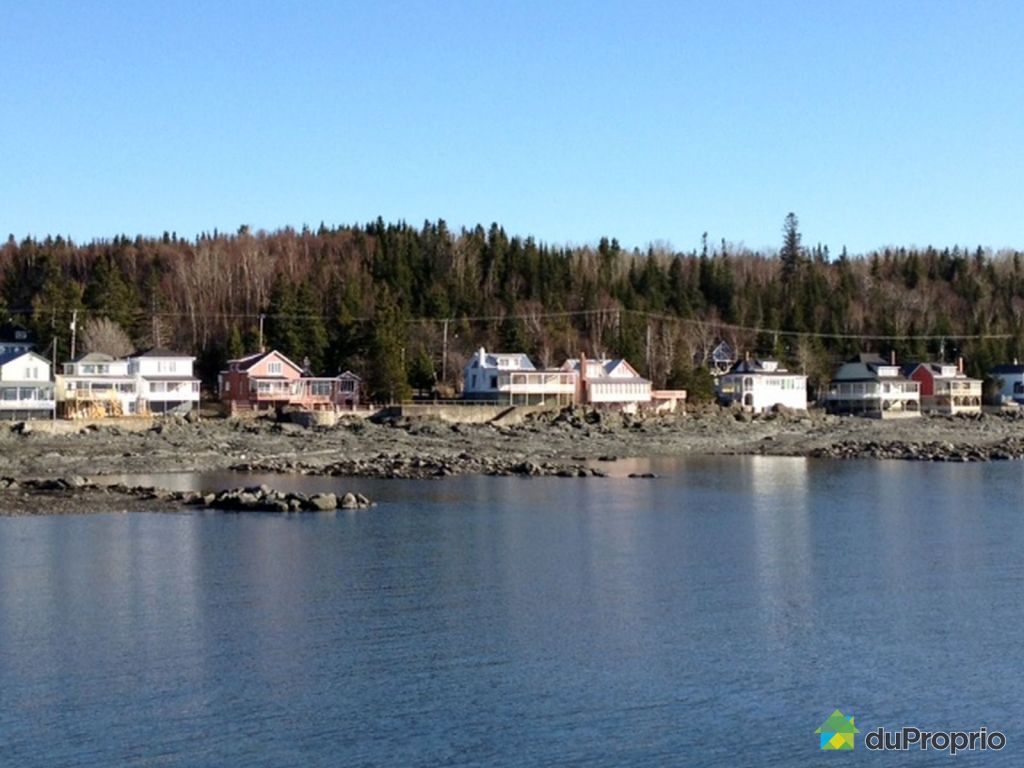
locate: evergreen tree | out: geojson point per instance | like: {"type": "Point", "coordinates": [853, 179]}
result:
{"type": "Point", "coordinates": [387, 379]}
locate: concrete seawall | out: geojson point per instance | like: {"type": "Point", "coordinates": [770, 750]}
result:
{"type": "Point", "coordinates": [74, 426]}
{"type": "Point", "coordinates": [454, 413]}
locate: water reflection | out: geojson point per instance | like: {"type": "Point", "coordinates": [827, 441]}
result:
{"type": "Point", "coordinates": [511, 621]}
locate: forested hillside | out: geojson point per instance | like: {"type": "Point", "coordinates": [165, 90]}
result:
{"type": "Point", "coordinates": [374, 299]}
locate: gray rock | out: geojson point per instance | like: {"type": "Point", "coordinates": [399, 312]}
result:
{"type": "Point", "coordinates": [324, 502]}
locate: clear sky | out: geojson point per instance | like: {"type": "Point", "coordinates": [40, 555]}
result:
{"type": "Point", "coordinates": [876, 122]}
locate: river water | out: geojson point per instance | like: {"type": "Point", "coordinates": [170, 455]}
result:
{"type": "Point", "coordinates": [714, 616]}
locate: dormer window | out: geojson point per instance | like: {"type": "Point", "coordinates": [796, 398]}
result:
{"type": "Point", "coordinates": [274, 368]}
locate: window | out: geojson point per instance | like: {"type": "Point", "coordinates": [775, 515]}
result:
{"type": "Point", "coordinates": [10, 394]}
{"type": "Point", "coordinates": [347, 385]}
{"type": "Point", "coordinates": [166, 366]}
{"type": "Point", "coordinates": [227, 386]}
{"type": "Point", "coordinates": [274, 368]}
{"type": "Point", "coordinates": [494, 382]}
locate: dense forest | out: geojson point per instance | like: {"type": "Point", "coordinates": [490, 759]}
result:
{"type": "Point", "coordinates": [405, 306]}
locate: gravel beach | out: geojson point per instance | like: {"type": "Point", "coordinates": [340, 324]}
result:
{"type": "Point", "coordinates": [565, 443]}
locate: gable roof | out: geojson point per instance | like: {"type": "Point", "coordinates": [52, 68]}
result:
{"type": "Point", "coordinates": [934, 370]}
{"type": "Point", "coordinates": [249, 361]}
{"type": "Point", "coordinates": [604, 368]}
{"type": "Point", "coordinates": [492, 359]}
{"type": "Point", "coordinates": [723, 352]}
{"type": "Point", "coordinates": [349, 375]}
{"type": "Point", "coordinates": [93, 357]}
{"type": "Point", "coordinates": [8, 357]}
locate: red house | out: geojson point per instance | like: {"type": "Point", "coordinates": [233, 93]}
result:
{"type": "Point", "coordinates": [945, 388]}
{"type": "Point", "coordinates": [270, 381]}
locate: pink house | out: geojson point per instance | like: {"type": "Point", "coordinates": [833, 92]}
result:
{"type": "Point", "coordinates": [270, 381]}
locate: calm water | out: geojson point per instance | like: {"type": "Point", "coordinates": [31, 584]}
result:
{"type": "Point", "coordinates": [714, 616]}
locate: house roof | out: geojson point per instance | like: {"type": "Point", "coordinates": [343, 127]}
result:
{"type": "Point", "coordinates": [723, 353]}
{"type": "Point", "coordinates": [7, 357]}
{"type": "Point", "coordinates": [604, 368]}
{"type": "Point", "coordinates": [161, 352]}
{"type": "Point", "coordinates": [248, 361]}
{"type": "Point", "coordinates": [837, 722]}
{"type": "Point", "coordinates": [159, 377]}
{"type": "Point", "coordinates": [863, 372]}
{"type": "Point", "coordinates": [766, 367]}
{"type": "Point", "coordinates": [491, 360]}
{"type": "Point", "coordinates": [93, 357]}
{"type": "Point", "coordinates": [349, 375]}
{"type": "Point", "coordinates": [935, 370]}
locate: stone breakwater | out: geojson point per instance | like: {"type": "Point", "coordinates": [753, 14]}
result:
{"type": "Point", "coordinates": [77, 494]}
{"type": "Point", "coordinates": [1010, 448]}
{"type": "Point", "coordinates": [399, 466]}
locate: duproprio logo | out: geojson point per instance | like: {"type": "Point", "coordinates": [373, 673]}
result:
{"type": "Point", "coordinates": [837, 732]}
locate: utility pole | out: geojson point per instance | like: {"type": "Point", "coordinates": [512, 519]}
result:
{"type": "Point", "coordinates": [444, 354]}
{"type": "Point", "coordinates": [74, 329]}
{"type": "Point", "coordinates": [53, 413]}
{"type": "Point", "coordinates": [649, 349]}
{"type": "Point", "coordinates": [261, 331]}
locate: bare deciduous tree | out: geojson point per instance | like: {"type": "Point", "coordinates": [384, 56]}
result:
{"type": "Point", "coordinates": [101, 334]}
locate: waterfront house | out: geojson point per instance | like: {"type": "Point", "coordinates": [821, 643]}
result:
{"type": "Point", "coordinates": [510, 377]}
{"type": "Point", "coordinates": [722, 359]}
{"type": "Point", "coordinates": [165, 381]}
{"type": "Point", "coordinates": [268, 381]}
{"type": "Point", "coordinates": [26, 391]}
{"type": "Point", "coordinates": [607, 382]}
{"type": "Point", "coordinates": [760, 385]}
{"type": "Point", "coordinates": [1010, 379]}
{"type": "Point", "coordinates": [945, 388]}
{"type": "Point", "coordinates": [868, 385]}
{"type": "Point", "coordinates": [95, 386]}
{"type": "Point", "coordinates": [15, 338]}
{"type": "Point", "coordinates": [348, 390]}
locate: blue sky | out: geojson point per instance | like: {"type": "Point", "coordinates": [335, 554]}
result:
{"type": "Point", "coordinates": [877, 123]}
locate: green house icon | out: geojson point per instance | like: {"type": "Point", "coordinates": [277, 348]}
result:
{"type": "Point", "coordinates": [837, 732]}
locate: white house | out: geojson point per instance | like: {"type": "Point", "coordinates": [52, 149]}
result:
{"type": "Point", "coordinates": [1010, 378]}
{"type": "Point", "coordinates": [869, 386]}
{"type": "Point", "coordinates": [165, 381]}
{"type": "Point", "coordinates": [504, 377]}
{"type": "Point", "coordinates": [608, 382]}
{"type": "Point", "coordinates": [96, 385]}
{"type": "Point", "coordinates": [25, 388]}
{"type": "Point", "coordinates": [760, 385]}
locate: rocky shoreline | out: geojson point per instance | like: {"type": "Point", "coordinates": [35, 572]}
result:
{"type": "Point", "coordinates": [77, 494]}
{"type": "Point", "coordinates": [570, 443]}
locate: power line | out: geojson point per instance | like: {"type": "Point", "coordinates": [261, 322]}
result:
{"type": "Point", "coordinates": [608, 311]}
